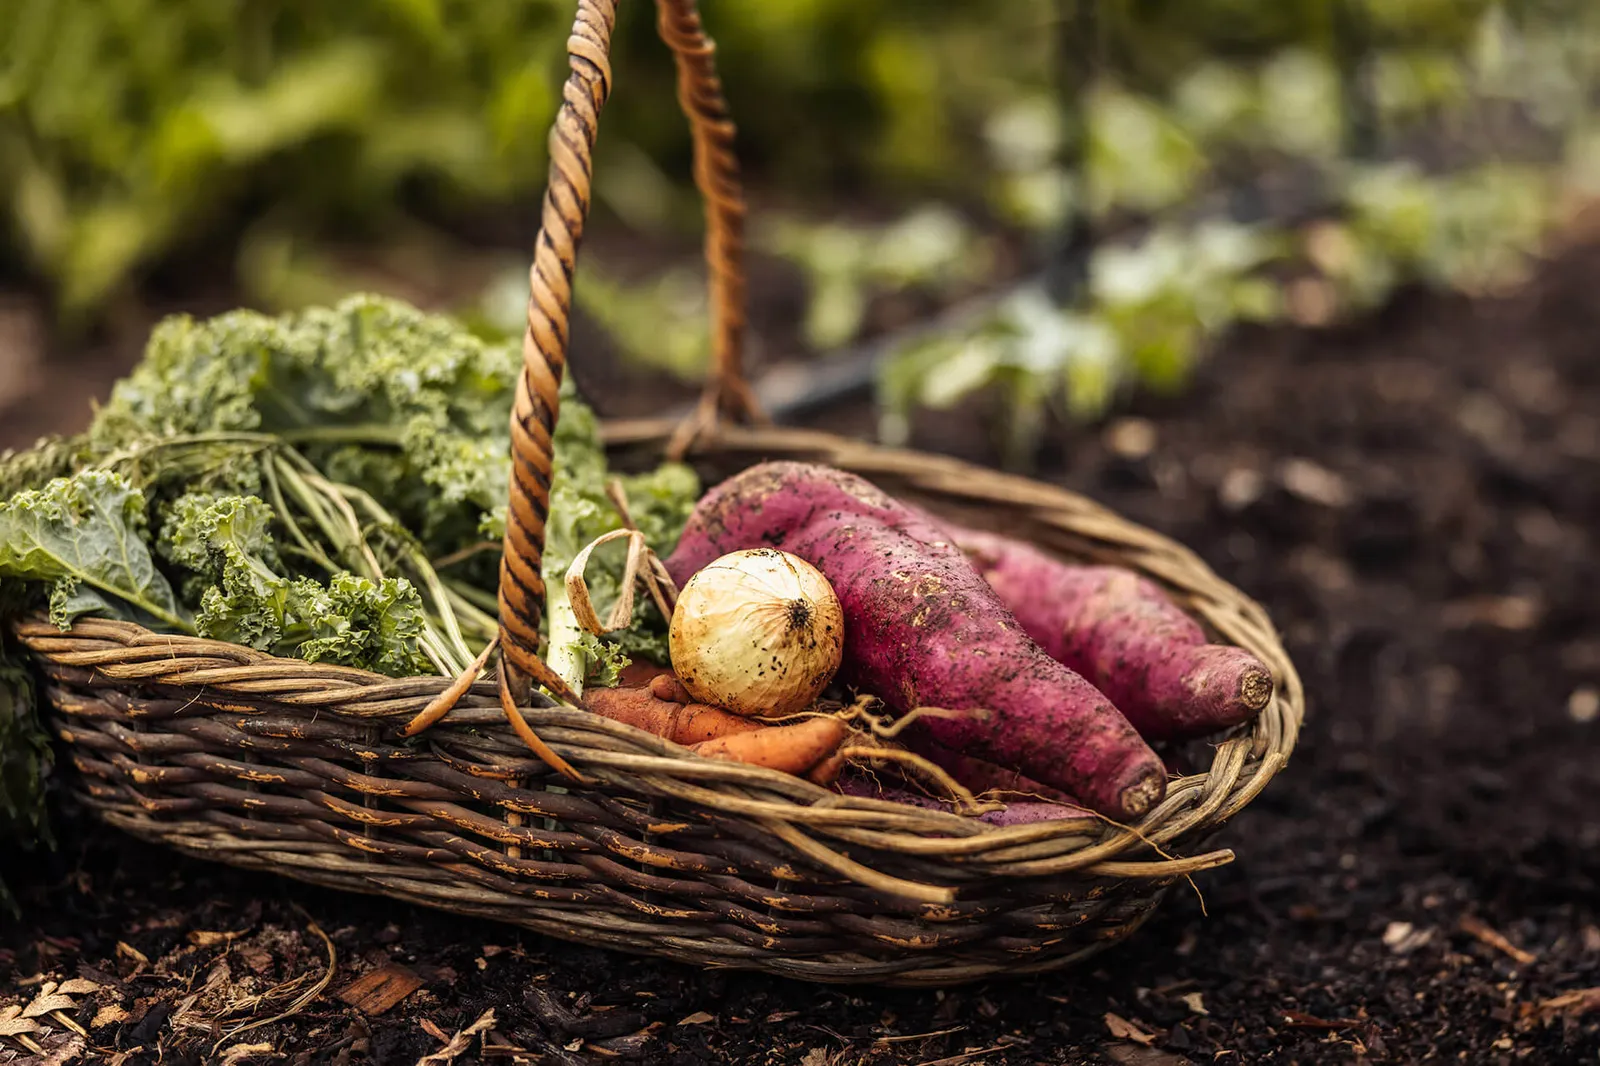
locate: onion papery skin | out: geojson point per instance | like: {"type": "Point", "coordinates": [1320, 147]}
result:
{"type": "Point", "coordinates": [757, 632]}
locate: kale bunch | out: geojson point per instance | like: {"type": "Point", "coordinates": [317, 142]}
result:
{"type": "Point", "coordinates": [328, 483]}
{"type": "Point", "coordinates": [408, 406]}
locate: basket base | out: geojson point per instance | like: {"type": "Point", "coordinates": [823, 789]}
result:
{"type": "Point", "coordinates": [332, 867]}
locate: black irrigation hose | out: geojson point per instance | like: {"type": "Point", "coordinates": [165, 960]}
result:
{"type": "Point", "coordinates": [1352, 32]}
{"type": "Point", "coordinates": [1080, 61]}
{"type": "Point", "coordinates": [797, 388]}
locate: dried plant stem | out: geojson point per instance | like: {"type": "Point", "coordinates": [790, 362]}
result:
{"type": "Point", "coordinates": [300, 1003]}
{"type": "Point", "coordinates": [525, 731]}
{"type": "Point", "coordinates": [966, 802]}
{"type": "Point", "coordinates": [641, 568]}
{"type": "Point", "coordinates": [445, 701]}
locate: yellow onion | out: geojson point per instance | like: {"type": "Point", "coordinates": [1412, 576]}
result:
{"type": "Point", "coordinates": [757, 632]}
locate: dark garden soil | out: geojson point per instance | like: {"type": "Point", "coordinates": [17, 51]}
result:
{"type": "Point", "coordinates": [1417, 501]}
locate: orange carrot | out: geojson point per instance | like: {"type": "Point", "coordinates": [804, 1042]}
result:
{"type": "Point", "coordinates": [827, 771]}
{"type": "Point", "coordinates": [653, 699]}
{"type": "Point", "coordinates": [681, 723]}
{"type": "Point", "coordinates": [792, 749]}
{"type": "Point", "coordinates": [668, 687]}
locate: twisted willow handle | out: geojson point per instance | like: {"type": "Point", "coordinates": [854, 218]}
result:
{"type": "Point", "coordinates": [544, 344]}
{"type": "Point", "coordinates": [716, 174]}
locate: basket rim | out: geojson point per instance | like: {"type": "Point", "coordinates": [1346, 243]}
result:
{"type": "Point", "coordinates": [808, 816]}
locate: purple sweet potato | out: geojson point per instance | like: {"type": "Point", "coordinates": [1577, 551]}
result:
{"type": "Point", "coordinates": [982, 777]}
{"type": "Point", "coordinates": [1123, 634]}
{"type": "Point", "coordinates": [923, 628]}
{"type": "Point", "coordinates": [1023, 812]}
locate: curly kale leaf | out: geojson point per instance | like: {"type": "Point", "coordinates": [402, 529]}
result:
{"type": "Point", "coordinates": [84, 536]}
{"type": "Point", "coordinates": [371, 375]}
{"type": "Point", "coordinates": [236, 577]}
{"type": "Point", "coordinates": [207, 533]}
{"type": "Point", "coordinates": [659, 501]}
{"type": "Point", "coordinates": [351, 621]}
{"type": "Point", "coordinates": [373, 626]}
{"type": "Point", "coordinates": [51, 457]}
{"type": "Point", "coordinates": [245, 597]}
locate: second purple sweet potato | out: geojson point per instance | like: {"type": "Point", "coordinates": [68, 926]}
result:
{"type": "Point", "coordinates": [1123, 634]}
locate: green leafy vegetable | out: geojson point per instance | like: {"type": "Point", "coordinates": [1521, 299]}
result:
{"type": "Point", "coordinates": [303, 472]}
{"type": "Point", "coordinates": [83, 535]}
{"type": "Point", "coordinates": [355, 622]}
{"type": "Point", "coordinates": [406, 405]}
{"type": "Point", "coordinates": [223, 540]}
{"type": "Point", "coordinates": [245, 598]}
{"type": "Point", "coordinates": [51, 457]}
{"type": "Point", "coordinates": [659, 502]}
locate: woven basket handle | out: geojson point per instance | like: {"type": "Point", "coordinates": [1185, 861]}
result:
{"type": "Point", "coordinates": [544, 345]}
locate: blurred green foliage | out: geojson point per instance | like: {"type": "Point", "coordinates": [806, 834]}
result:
{"type": "Point", "coordinates": [1498, 109]}
{"type": "Point", "coordinates": [931, 247]}
{"type": "Point", "coordinates": [663, 322]}
{"type": "Point", "coordinates": [129, 128]}
{"type": "Point", "coordinates": [1150, 307]}
{"type": "Point", "coordinates": [134, 130]}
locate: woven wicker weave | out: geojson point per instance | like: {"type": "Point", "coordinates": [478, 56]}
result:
{"type": "Point", "coordinates": [229, 754]}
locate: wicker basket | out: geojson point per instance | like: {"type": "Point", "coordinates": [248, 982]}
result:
{"type": "Point", "coordinates": [229, 754]}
